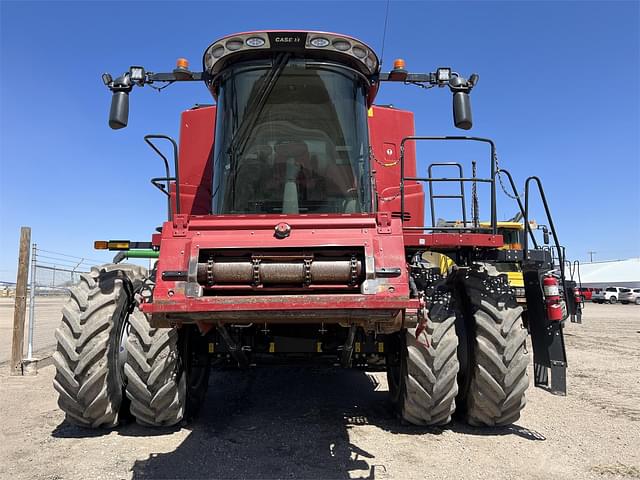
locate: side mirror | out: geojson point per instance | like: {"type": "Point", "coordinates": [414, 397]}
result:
{"type": "Point", "coordinates": [461, 102]}
{"type": "Point", "coordinates": [462, 110]}
{"type": "Point", "coordinates": [545, 236]}
{"type": "Point", "coordinates": [119, 113]}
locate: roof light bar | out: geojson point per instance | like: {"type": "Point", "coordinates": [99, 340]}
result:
{"type": "Point", "coordinates": [304, 41]}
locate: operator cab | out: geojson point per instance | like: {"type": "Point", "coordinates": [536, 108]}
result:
{"type": "Point", "coordinates": [291, 128]}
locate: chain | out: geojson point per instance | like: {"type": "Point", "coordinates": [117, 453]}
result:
{"type": "Point", "coordinates": [499, 174]}
{"type": "Point", "coordinates": [210, 271]}
{"type": "Point", "coordinates": [474, 197]}
{"type": "Point", "coordinates": [382, 164]}
{"type": "Point", "coordinates": [354, 270]}
{"type": "Point", "coordinates": [256, 270]}
{"type": "Point", "coordinates": [307, 271]}
{"type": "Point", "coordinates": [387, 199]}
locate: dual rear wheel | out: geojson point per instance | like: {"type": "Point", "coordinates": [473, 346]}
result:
{"type": "Point", "coordinates": [470, 358]}
{"type": "Point", "coordinates": [111, 363]}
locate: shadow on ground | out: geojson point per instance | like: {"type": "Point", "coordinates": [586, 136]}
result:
{"type": "Point", "coordinates": [277, 423]}
{"type": "Point", "coordinates": [282, 422]}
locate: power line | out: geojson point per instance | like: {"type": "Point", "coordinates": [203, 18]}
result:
{"type": "Point", "coordinates": [64, 261]}
{"type": "Point", "coordinates": [69, 256]}
{"type": "Point", "coordinates": [384, 33]}
{"type": "Point", "coordinates": [45, 262]}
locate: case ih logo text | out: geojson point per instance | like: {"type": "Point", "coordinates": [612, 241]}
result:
{"type": "Point", "coordinates": [288, 39]}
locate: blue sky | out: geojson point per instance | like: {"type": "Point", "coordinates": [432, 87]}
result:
{"type": "Point", "coordinates": [558, 91]}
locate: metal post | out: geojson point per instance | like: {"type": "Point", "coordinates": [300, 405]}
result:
{"type": "Point", "coordinates": [73, 271]}
{"type": "Point", "coordinates": [32, 306]}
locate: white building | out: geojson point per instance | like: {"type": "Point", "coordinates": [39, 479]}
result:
{"type": "Point", "coordinates": [617, 273]}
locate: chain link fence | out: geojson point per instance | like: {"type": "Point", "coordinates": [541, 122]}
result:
{"type": "Point", "coordinates": [52, 274]}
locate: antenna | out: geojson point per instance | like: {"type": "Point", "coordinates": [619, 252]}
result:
{"type": "Point", "coordinates": [384, 33]}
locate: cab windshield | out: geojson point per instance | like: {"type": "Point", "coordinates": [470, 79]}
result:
{"type": "Point", "coordinates": [291, 138]}
{"type": "Point", "coordinates": [513, 237]}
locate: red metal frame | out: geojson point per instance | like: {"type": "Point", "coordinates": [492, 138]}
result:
{"type": "Point", "coordinates": [452, 240]}
{"type": "Point", "coordinates": [197, 128]}
{"type": "Point", "coordinates": [381, 236]}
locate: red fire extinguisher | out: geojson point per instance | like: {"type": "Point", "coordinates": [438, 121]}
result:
{"type": "Point", "coordinates": [578, 295]}
{"type": "Point", "coordinates": [552, 298]}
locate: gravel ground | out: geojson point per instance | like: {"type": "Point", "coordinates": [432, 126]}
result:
{"type": "Point", "coordinates": [290, 422]}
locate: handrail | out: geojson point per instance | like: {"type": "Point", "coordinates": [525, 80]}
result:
{"type": "Point", "coordinates": [413, 138]}
{"type": "Point", "coordinates": [517, 197]}
{"type": "Point", "coordinates": [574, 270]}
{"type": "Point", "coordinates": [561, 255]}
{"type": "Point", "coordinates": [461, 196]}
{"type": "Point", "coordinates": [168, 177]}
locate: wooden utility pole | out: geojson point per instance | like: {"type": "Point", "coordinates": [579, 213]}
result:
{"type": "Point", "coordinates": [20, 308]}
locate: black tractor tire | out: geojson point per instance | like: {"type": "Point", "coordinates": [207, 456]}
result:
{"type": "Point", "coordinates": [167, 372]}
{"type": "Point", "coordinates": [422, 379]}
{"type": "Point", "coordinates": [156, 384]}
{"type": "Point", "coordinates": [498, 366]}
{"type": "Point", "coordinates": [88, 358]}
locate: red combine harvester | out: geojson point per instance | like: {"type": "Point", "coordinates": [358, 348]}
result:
{"type": "Point", "coordinates": [296, 232]}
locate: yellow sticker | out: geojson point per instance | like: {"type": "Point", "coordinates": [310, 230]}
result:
{"type": "Point", "coordinates": [370, 112]}
{"type": "Point", "coordinates": [211, 348]}
{"type": "Point", "coordinates": [272, 347]}
{"type": "Point", "coordinates": [357, 347]}
{"type": "Point", "coordinates": [319, 347]}
{"type": "Point", "coordinates": [380, 347]}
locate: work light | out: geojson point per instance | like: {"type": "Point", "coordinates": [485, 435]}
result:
{"type": "Point", "coordinates": [136, 74]}
{"type": "Point", "coordinates": [443, 75]}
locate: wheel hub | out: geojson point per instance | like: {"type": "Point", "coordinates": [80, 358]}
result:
{"type": "Point", "coordinates": [121, 357]}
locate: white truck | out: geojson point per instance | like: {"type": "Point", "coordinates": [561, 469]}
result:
{"type": "Point", "coordinates": [607, 295]}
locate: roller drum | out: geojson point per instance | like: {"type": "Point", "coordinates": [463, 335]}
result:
{"type": "Point", "coordinates": [298, 272]}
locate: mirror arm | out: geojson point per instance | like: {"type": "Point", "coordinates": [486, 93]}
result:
{"type": "Point", "coordinates": [429, 78]}
{"type": "Point", "coordinates": [136, 75]}
{"type": "Point", "coordinates": [174, 77]}
{"type": "Point", "coordinates": [125, 83]}
{"type": "Point", "coordinates": [442, 77]}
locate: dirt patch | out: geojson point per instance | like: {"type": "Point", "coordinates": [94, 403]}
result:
{"type": "Point", "coordinates": [288, 422]}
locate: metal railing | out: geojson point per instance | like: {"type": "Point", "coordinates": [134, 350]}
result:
{"type": "Point", "coordinates": [460, 179]}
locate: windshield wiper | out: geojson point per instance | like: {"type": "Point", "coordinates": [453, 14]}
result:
{"type": "Point", "coordinates": [253, 111]}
